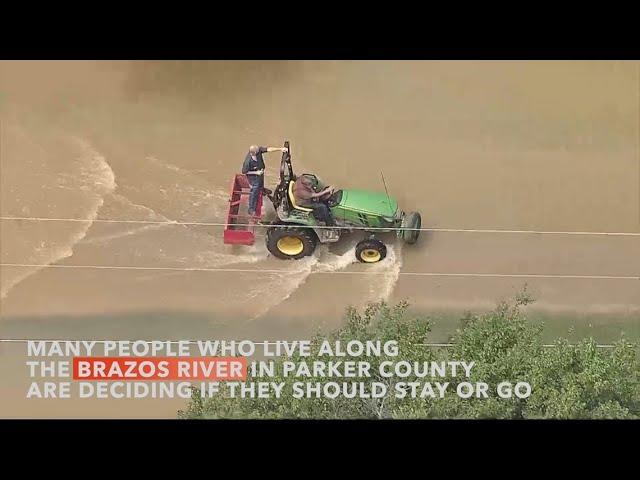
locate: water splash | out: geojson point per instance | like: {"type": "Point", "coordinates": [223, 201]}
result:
{"type": "Point", "coordinates": [94, 177]}
{"type": "Point", "coordinates": [382, 288]}
{"type": "Point", "coordinates": [132, 211]}
{"type": "Point", "coordinates": [283, 286]}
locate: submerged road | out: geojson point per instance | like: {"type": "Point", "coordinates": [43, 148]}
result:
{"type": "Point", "coordinates": [448, 269]}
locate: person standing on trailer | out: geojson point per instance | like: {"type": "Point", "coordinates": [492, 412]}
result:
{"type": "Point", "coordinates": [253, 167]}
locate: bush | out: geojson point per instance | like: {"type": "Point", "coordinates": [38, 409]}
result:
{"type": "Point", "coordinates": [568, 381]}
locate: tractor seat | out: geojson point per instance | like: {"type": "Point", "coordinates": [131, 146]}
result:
{"type": "Point", "coordinates": [293, 200]}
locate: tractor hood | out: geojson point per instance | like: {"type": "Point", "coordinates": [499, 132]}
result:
{"type": "Point", "coordinates": [372, 203]}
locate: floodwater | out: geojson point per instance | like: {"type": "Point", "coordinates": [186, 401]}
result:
{"type": "Point", "coordinates": [528, 145]}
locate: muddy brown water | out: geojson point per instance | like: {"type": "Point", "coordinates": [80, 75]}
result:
{"type": "Point", "coordinates": [551, 146]}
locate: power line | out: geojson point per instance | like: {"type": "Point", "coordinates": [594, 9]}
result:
{"type": "Point", "coordinates": [259, 225]}
{"type": "Point", "coordinates": [337, 272]}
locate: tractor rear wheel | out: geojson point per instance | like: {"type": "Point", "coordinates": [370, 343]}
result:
{"type": "Point", "coordinates": [371, 250]}
{"type": "Point", "coordinates": [290, 243]}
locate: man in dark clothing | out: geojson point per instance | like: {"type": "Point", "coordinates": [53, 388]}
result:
{"type": "Point", "coordinates": [253, 168]}
{"type": "Point", "coordinates": [306, 196]}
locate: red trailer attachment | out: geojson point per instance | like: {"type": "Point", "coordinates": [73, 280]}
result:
{"type": "Point", "coordinates": [240, 227]}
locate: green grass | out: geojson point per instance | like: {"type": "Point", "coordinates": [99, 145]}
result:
{"type": "Point", "coordinates": [186, 325]}
{"type": "Point", "coordinates": [604, 328]}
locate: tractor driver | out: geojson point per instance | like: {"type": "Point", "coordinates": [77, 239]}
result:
{"type": "Point", "coordinates": [306, 196]}
{"type": "Point", "coordinates": [253, 168]}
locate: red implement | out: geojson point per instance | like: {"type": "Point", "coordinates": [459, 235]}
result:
{"type": "Point", "coordinates": [240, 227]}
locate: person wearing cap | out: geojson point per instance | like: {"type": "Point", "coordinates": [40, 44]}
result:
{"type": "Point", "coordinates": [253, 167]}
{"type": "Point", "coordinates": [306, 196]}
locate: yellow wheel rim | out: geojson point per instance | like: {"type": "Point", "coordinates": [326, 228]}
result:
{"type": "Point", "coordinates": [290, 245]}
{"type": "Point", "coordinates": [370, 255]}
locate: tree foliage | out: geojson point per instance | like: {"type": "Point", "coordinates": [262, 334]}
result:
{"type": "Point", "coordinates": [568, 381]}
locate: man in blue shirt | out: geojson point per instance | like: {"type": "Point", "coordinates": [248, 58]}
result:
{"type": "Point", "coordinates": [253, 168]}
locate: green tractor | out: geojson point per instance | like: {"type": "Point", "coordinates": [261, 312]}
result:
{"type": "Point", "coordinates": [296, 233]}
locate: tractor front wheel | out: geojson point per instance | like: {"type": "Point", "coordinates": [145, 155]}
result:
{"type": "Point", "coordinates": [290, 243]}
{"type": "Point", "coordinates": [371, 251]}
{"type": "Point", "coordinates": [412, 222]}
